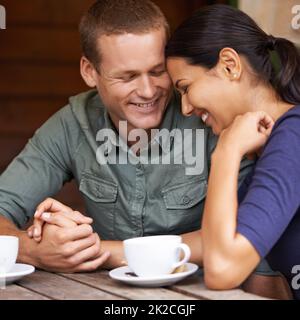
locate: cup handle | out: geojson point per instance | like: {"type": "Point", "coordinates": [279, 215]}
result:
{"type": "Point", "coordinates": [187, 254]}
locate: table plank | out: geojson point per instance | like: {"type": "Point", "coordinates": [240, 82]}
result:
{"type": "Point", "coordinates": [102, 281]}
{"type": "Point", "coordinates": [15, 292]}
{"type": "Point", "coordinates": [60, 288]}
{"type": "Point", "coordinates": [195, 285]}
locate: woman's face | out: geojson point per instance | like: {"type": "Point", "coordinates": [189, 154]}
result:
{"type": "Point", "coordinates": [209, 94]}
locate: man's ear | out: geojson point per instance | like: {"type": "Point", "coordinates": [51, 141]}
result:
{"type": "Point", "coordinates": [230, 64]}
{"type": "Point", "coordinates": [88, 72]}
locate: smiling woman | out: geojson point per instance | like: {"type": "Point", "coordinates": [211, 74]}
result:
{"type": "Point", "coordinates": [221, 63]}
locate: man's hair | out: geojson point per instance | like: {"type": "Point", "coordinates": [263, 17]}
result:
{"type": "Point", "coordinates": [113, 17]}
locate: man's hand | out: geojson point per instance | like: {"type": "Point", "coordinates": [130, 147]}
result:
{"type": "Point", "coordinates": [72, 249]}
{"type": "Point", "coordinates": [66, 242]}
{"type": "Point", "coordinates": [43, 215]}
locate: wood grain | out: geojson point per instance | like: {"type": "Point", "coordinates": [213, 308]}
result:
{"type": "Point", "coordinates": [195, 286]}
{"type": "Point", "coordinates": [40, 80]}
{"type": "Point", "coordinates": [15, 292]}
{"type": "Point", "coordinates": [21, 117]}
{"type": "Point", "coordinates": [102, 281]}
{"type": "Point", "coordinates": [59, 288]}
{"type": "Point", "coordinates": [37, 45]}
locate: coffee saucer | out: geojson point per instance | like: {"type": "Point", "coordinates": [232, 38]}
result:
{"type": "Point", "coordinates": [125, 274]}
{"type": "Point", "coordinates": [17, 272]}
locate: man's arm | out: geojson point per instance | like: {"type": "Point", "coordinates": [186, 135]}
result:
{"type": "Point", "coordinates": [62, 249]}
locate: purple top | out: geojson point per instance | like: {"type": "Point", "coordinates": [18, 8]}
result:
{"type": "Point", "coordinates": [269, 213]}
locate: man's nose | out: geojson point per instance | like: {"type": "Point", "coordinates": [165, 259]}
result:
{"type": "Point", "coordinates": [186, 108]}
{"type": "Point", "coordinates": [146, 88]}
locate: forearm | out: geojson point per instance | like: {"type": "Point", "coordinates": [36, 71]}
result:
{"type": "Point", "coordinates": [26, 245]}
{"type": "Point", "coordinates": [194, 241]}
{"type": "Point", "coordinates": [220, 214]}
{"type": "Point", "coordinates": [117, 257]}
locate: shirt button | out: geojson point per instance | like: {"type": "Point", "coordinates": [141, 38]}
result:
{"type": "Point", "coordinates": [186, 200]}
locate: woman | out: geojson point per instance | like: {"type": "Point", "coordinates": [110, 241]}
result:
{"type": "Point", "coordinates": [223, 65]}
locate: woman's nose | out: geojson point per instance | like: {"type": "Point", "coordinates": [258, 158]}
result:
{"type": "Point", "coordinates": [186, 107]}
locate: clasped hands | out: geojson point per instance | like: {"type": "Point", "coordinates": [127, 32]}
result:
{"type": "Point", "coordinates": [65, 240]}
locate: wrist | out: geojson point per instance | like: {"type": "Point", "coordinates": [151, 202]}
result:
{"type": "Point", "coordinates": [27, 249]}
{"type": "Point", "coordinates": [226, 151]}
{"type": "Point", "coordinates": [117, 258]}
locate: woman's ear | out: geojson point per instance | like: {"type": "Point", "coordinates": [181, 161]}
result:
{"type": "Point", "coordinates": [88, 72]}
{"type": "Point", "coordinates": [230, 64]}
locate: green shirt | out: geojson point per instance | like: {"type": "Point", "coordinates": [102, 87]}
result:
{"type": "Point", "coordinates": [125, 200]}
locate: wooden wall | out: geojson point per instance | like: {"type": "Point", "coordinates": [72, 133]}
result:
{"type": "Point", "coordinates": [39, 67]}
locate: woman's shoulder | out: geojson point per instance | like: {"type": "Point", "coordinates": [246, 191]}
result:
{"type": "Point", "coordinates": [291, 116]}
{"type": "Point", "coordinates": [285, 137]}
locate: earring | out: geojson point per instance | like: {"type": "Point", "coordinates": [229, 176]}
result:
{"type": "Point", "coordinates": [235, 75]}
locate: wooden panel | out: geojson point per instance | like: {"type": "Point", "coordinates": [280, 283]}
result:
{"type": "Point", "coordinates": [14, 292]}
{"type": "Point", "coordinates": [60, 288]}
{"type": "Point", "coordinates": [45, 13]}
{"type": "Point", "coordinates": [38, 45]}
{"type": "Point", "coordinates": [35, 80]}
{"type": "Point", "coordinates": [195, 286]}
{"type": "Point", "coordinates": [10, 147]}
{"type": "Point", "coordinates": [101, 280]}
{"type": "Point", "coordinates": [24, 116]}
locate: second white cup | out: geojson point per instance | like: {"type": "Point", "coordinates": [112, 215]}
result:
{"type": "Point", "coordinates": [156, 255]}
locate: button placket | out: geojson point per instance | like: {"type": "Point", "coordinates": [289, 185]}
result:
{"type": "Point", "coordinates": [139, 201]}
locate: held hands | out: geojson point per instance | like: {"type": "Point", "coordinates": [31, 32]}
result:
{"type": "Point", "coordinates": [53, 212]}
{"type": "Point", "coordinates": [247, 134]}
{"type": "Point", "coordinates": [65, 239]}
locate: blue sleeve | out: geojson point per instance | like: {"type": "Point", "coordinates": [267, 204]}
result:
{"type": "Point", "coordinates": [273, 196]}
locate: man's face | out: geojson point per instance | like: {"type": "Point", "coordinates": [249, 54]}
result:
{"type": "Point", "coordinates": [133, 82]}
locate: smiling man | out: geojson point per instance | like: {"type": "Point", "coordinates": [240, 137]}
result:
{"type": "Point", "coordinates": [123, 44]}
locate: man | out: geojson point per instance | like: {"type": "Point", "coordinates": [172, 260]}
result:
{"type": "Point", "coordinates": [123, 45]}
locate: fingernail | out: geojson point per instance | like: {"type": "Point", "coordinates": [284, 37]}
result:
{"type": "Point", "coordinates": [35, 214]}
{"type": "Point", "coordinates": [30, 234]}
{"type": "Point", "coordinates": [46, 215]}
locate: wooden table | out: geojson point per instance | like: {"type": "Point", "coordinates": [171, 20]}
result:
{"type": "Point", "coordinates": [99, 286]}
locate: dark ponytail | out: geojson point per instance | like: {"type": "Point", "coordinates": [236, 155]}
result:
{"type": "Point", "coordinates": [287, 82]}
{"type": "Point", "coordinates": [201, 38]}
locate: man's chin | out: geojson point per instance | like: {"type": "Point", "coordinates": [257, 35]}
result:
{"type": "Point", "coordinates": [146, 123]}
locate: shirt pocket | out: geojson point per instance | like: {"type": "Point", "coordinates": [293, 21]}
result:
{"type": "Point", "coordinates": [100, 198]}
{"type": "Point", "coordinates": [184, 203]}
{"type": "Point", "coordinates": [98, 189]}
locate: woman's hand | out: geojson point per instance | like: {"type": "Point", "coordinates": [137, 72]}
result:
{"type": "Point", "coordinates": [247, 134]}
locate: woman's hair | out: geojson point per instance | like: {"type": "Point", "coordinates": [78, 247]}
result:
{"type": "Point", "coordinates": [201, 38]}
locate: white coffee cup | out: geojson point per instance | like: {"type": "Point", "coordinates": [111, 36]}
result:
{"type": "Point", "coordinates": [9, 247]}
{"type": "Point", "coordinates": [156, 255]}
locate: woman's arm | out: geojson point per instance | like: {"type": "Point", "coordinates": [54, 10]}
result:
{"type": "Point", "coordinates": [229, 257]}
{"type": "Point", "coordinates": [194, 241]}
